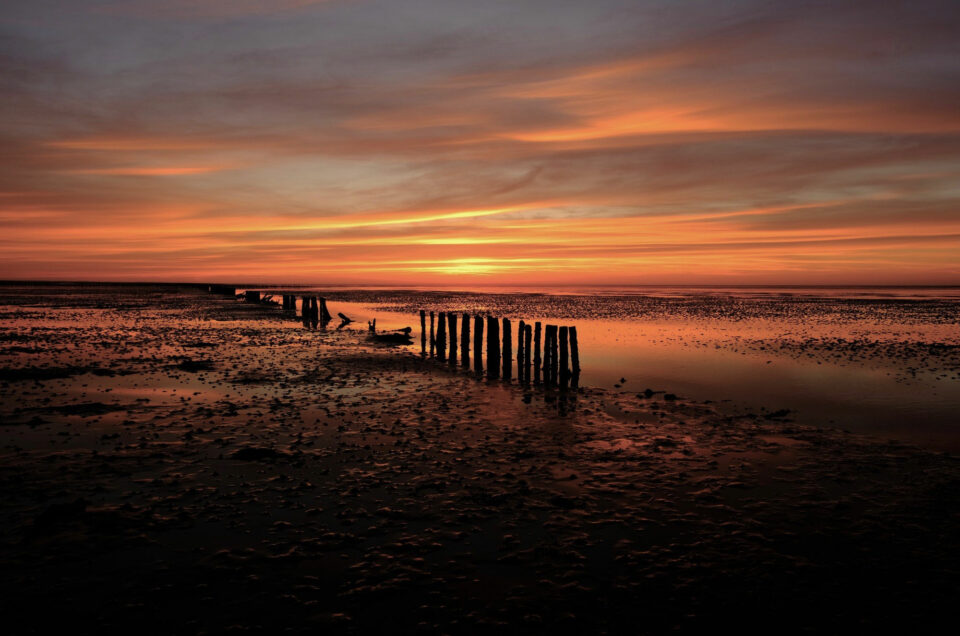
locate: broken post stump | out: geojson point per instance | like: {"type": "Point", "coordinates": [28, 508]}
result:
{"type": "Point", "coordinates": [521, 352]}
{"type": "Point", "coordinates": [551, 362]}
{"type": "Point", "coordinates": [251, 296]}
{"type": "Point", "coordinates": [465, 341]}
{"type": "Point", "coordinates": [527, 342]}
{"type": "Point", "coordinates": [442, 335]}
{"type": "Point", "coordinates": [423, 332]}
{"type": "Point", "coordinates": [507, 350]}
{"type": "Point", "coordinates": [537, 335]}
{"type": "Point", "coordinates": [478, 344]}
{"type": "Point", "coordinates": [574, 359]}
{"type": "Point", "coordinates": [493, 347]}
{"type": "Point", "coordinates": [452, 328]}
{"type": "Point", "coordinates": [564, 360]}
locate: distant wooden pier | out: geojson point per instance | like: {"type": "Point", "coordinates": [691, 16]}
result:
{"type": "Point", "coordinates": [546, 355]}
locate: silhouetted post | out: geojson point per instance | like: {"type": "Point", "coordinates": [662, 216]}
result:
{"type": "Point", "coordinates": [324, 312]}
{"type": "Point", "coordinates": [527, 342]}
{"type": "Point", "coordinates": [465, 341]}
{"type": "Point", "coordinates": [452, 320]}
{"type": "Point", "coordinates": [478, 344]}
{"type": "Point", "coordinates": [574, 358]}
{"type": "Point", "coordinates": [507, 350]}
{"type": "Point", "coordinates": [546, 355]}
{"type": "Point", "coordinates": [536, 353]}
{"type": "Point", "coordinates": [251, 296]}
{"type": "Point", "coordinates": [433, 338]}
{"type": "Point", "coordinates": [442, 336]}
{"type": "Point", "coordinates": [423, 332]}
{"type": "Point", "coordinates": [315, 308]}
{"type": "Point", "coordinates": [305, 310]}
{"type": "Point", "coordinates": [493, 347]}
{"type": "Point", "coordinates": [550, 356]}
{"type": "Point", "coordinates": [564, 360]}
{"type": "Point", "coordinates": [520, 350]}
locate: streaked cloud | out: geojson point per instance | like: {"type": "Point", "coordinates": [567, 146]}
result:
{"type": "Point", "coordinates": [502, 142]}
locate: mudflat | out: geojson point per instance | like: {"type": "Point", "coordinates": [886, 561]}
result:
{"type": "Point", "coordinates": [177, 462]}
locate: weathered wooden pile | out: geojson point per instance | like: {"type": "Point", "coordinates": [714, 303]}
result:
{"type": "Point", "coordinates": [547, 355]}
{"type": "Point", "coordinates": [555, 364]}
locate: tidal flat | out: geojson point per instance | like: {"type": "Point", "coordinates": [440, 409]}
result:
{"type": "Point", "coordinates": [179, 462]}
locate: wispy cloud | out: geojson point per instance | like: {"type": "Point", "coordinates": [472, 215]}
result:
{"type": "Point", "coordinates": [444, 141]}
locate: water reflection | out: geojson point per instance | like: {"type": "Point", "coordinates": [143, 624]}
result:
{"type": "Point", "coordinates": [866, 376]}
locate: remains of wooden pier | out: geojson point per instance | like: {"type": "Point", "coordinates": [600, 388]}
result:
{"type": "Point", "coordinates": [555, 364]}
{"type": "Point", "coordinates": [558, 363]}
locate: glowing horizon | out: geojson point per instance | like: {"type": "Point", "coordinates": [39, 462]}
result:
{"type": "Point", "coordinates": [358, 142]}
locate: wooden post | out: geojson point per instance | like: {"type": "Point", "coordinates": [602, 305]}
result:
{"type": "Point", "coordinates": [564, 360]}
{"type": "Point", "coordinates": [324, 312]}
{"type": "Point", "coordinates": [423, 332]}
{"type": "Point", "coordinates": [521, 352]}
{"type": "Point", "coordinates": [433, 338]}
{"type": "Point", "coordinates": [550, 361]}
{"type": "Point", "coordinates": [251, 296]}
{"type": "Point", "coordinates": [527, 342]}
{"type": "Point", "coordinates": [536, 353]}
{"type": "Point", "coordinates": [452, 356]}
{"type": "Point", "coordinates": [507, 350]}
{"type": "Point", "coordinates": [442, 336]}
{"type": "Point", "coordinates": [465, 341]}
{"type": "Point", "coordinates": [493, 347]}
{"type": "Point", "coordinates": [314, 311]}
{"type": "Point", "coordinates": [478, 344]}
{"type": "Point", "coordinates": [305, 310]}
{"type": "Point", "coordinates": [574, 358]}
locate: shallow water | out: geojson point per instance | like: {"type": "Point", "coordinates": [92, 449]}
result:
{"type": "Point", "coordinates": [887, 364]}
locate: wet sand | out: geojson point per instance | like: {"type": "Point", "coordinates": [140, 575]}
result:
{"type": "Point", "coordinates": [174, 462]}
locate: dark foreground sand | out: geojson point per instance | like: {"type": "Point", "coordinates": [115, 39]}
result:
{"type": "Point", "coordinates": [177, 463]}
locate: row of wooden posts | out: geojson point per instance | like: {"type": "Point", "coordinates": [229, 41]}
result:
{"type": "Point", "coordinates": [557, 366]}
{"type": "Point", "coordinates": [554, 364]}
{"type": "Point", "coordinates": [313, 309]}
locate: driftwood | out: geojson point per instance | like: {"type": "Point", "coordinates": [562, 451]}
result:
{"type": "Point", "coordinates": [392, 338]}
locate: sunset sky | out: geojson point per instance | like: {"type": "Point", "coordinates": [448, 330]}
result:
{"type": "Point", "coordinates": [453, 142]}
